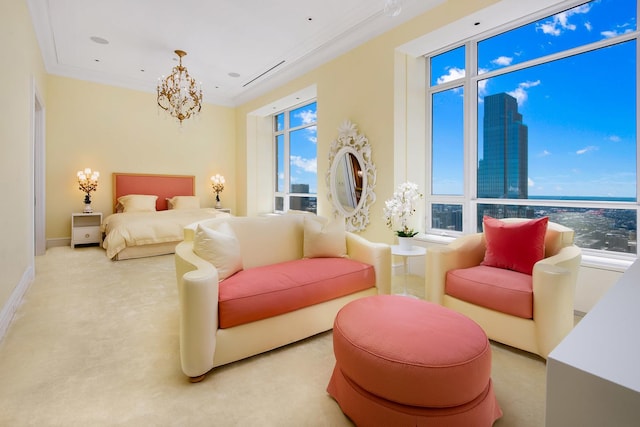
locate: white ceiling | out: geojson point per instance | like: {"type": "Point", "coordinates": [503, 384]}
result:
{"type": "Point", "coordinates": [266, 43]}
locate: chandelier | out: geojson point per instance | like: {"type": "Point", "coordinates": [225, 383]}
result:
{"type": "Point", "coordinates": [178, 93]}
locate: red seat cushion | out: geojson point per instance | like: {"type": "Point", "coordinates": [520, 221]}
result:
{"type": "Point", "coordinates": [412, 352]}
{"type": "Point", "coordinates": [262, 292]}
{"type": "Point", "coordinates": [502, 290]}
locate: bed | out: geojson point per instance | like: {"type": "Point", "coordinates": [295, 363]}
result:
{"type": "Point", "coordinates": [150, 213]}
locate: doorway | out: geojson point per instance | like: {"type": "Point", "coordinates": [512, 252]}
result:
{"type": "Point", "coordinates": [38, 157]}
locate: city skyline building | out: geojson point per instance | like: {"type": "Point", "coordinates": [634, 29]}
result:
{"type": "Point", "coordinates": [503, 170]}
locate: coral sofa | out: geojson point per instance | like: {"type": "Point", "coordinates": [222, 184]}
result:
{"type": "Point", "coordinates": [251, 284]}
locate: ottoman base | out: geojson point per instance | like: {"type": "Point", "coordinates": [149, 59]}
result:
{"type": "Point", "coordinates": [366, 409]}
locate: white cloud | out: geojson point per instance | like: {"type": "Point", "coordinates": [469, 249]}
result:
{"type": "Point", "coordinates": [307, 116]}
{"type": "Point", "coordinates": [482, 85]}
{"type": "Point", "coordinates": [454, 73]}
{"type": "Point", "coordinates": [614, 138]}
{"type": "Point", "coordinates": [587, 149]}
{"type": "Point", "coordinates": [502, 60]}
{"type": "Point", "coordinates": [531, 183]}
{"type": "Point", "coordinates": [613, 33]}
{"type": "Point", "coordinates": [527, 85]}
{"type": "Point", "coordinates": [559, 23]}
{"type": "Point", "coordinates": [313, 131]}
{"type": "Point", "coordinates": [308, 165]}
{"type": "Point", "coordinates": [544, 153]}
{"type": "Point", "coordinates": [588, 26]}
{"type": "Point", "coordinates": [520, 93]}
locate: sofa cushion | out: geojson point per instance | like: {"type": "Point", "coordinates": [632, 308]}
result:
{"type": "Point", "coordinates": [220, 247]}
{"type": "Point", "coordinates": [506, 291]}
{"type": "Point", "coordinates": [324, 239]}
{"type": "Point", "coordinates": [514, 245]}
{"type": "Point", "coordinates": [267, 291]}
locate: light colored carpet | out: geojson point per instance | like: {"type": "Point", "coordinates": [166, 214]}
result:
{"type": "Point", "coordinates": [95, 343]}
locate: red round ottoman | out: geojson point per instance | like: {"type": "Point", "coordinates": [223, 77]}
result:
{"type": "Point", "coordinates": [403, 361]}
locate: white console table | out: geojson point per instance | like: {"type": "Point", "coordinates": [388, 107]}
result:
{"type": "Point", "coordinates": [593, 375]}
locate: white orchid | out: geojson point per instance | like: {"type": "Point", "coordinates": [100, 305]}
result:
{"type": "Point", "coordinates": [400, 207]}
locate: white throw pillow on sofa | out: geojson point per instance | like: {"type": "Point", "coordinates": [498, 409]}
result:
{"type": "Point", "coordinates": [324, 239]}
{"type": "Point", "coordinates": [220, 247]}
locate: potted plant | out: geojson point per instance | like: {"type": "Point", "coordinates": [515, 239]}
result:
{"type": "Point", "coordinates": [399, 209]}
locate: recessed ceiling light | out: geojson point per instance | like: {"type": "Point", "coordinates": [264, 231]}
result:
{"type": "Point", "coordinates": [99, 40]}
{"type": "Point", "coordinates": [234, 75]}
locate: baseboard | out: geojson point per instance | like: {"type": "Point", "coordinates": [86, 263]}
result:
{"type": "Point", "coordinates": [62, 241]}
{"type": "Point", "coordinates": [10, 308]}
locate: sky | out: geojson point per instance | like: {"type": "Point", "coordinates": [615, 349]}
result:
{"type": "Point", "coordinates": [580, 111]}
{"type": "Point", "coordinates": [303, 147]}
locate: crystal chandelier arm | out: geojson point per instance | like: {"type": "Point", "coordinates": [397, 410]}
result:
{"type": "Point", "coordinates": [178, 93]}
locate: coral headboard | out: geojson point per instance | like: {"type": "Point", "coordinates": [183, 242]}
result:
{"type": "Point", "coordinates": [163, 186]}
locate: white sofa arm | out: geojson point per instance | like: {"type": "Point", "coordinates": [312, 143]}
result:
{"type": "Point", "coordinates": [554, 285]}
{"type": "Point", "coordinates": [376, 254]}
{"type": "Point", "coordinates": [464, 252]}
{"type": "Point", "coordinates": [198, 292]}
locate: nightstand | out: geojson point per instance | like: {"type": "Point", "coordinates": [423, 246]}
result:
{"type": "Point", "coordinates": [85, 228]}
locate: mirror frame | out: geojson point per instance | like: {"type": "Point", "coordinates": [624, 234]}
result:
{"type": "Point", "coordinates": [349, 141]}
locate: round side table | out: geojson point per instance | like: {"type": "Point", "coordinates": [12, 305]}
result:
{"type": "Point", "coordinates": [405, 254]}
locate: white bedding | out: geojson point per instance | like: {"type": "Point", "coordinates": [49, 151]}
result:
{"type": "Point", "coordinates": [128, 229]}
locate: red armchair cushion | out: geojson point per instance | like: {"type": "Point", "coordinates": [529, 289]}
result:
{"type": "Point", "coordinates": [498, 289]}
{"type": "Point", "coordinates": [514, 245]}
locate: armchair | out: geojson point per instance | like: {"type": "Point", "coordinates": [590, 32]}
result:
{"type": "Point", "coordinates": [532, 312]}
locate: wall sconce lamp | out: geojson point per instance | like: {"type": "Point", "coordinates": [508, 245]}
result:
{"type": "Point", "coordinates": [217, 183]}
{"type": "Point", "coordinates": [88, 182]}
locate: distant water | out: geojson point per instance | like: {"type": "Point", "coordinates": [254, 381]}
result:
{"type": "Point", "coordinates": [583, 198]}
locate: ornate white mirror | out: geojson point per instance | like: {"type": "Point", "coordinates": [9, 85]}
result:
{"type": "Point", "coordinates": [351, 177]}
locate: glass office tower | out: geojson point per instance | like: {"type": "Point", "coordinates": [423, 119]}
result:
{"type": "Point", "coordinates": [503, 168]}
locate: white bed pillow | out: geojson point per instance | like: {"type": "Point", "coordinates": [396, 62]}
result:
{"type": "Point", "coordinates": [137, 203]}
{"type": "Point", "coordinates": [324, 239]}
{"type": "Point", "coordinates": [183, 202]}
{"type": "Point", "coordinates": [220, 247]}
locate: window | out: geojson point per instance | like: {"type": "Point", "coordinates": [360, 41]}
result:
{"type": "Point", "coordinates": [550, 128]}
{"type": "Point", "coordinates": [295, 138]}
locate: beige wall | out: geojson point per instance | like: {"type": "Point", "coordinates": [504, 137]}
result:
{"type": "Point", "coordinates": [21, 65]}
{"type": "Point", "coordinates": [359, 86]}
{"type": "Point", "coordinates": [111, 129]}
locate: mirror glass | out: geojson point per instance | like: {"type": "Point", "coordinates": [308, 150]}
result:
{"type": "Point", "coordinates": [347, 181]}
{"type": "Point", "coordinates": [351, 177]}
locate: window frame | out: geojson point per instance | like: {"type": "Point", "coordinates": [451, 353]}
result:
{"type": "Point", "coordinates": [286, 131]}
{"type": "Point", "coordinates": [469, 200]}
